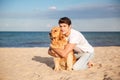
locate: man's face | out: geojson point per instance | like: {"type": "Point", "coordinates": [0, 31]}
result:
{"type": "Point", "coordinates": [65, 28]}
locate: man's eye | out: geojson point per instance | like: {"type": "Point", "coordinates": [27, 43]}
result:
{"type": "Point", "coordinates": [64, 26]}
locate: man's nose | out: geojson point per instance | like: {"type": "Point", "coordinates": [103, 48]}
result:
{"type": "Point", "coordinates": [61, 28]}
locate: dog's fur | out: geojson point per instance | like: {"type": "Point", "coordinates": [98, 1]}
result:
{"type": "Point", "coordinates": [58, 40]}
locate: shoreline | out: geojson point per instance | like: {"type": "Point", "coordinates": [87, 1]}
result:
{"type": "Point", "coordinates": [48, 47]}
{"type": "Point", "coordinates": [33, 63]}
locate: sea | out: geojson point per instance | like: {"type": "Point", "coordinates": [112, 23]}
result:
{"type": "Point", "coordinates": [41, 39]}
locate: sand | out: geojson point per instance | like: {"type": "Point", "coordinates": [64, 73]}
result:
{"type": "Point", "coordinates": [36, 64]}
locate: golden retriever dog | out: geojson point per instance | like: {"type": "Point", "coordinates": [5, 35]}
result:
{"type": "Point", "coordinates": [58, 40]}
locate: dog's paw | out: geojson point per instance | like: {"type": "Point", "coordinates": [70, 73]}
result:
{"type": "Point", "coordinates": [69, 69]}
{"type": "Point", "coordinates": [57, 69]}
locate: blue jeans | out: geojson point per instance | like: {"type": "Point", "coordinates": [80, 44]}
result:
{"type": "Point", "coordinates": [83, 59]}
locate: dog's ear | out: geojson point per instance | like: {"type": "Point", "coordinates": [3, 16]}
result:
{"type": "Point", "coordinates": [61, 36]}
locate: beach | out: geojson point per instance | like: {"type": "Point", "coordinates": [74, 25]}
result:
{"type": "Point", "coordinates": [35, 64]}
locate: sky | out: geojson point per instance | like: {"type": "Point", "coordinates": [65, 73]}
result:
{"type": "Point", "coordinates": [42, 15]}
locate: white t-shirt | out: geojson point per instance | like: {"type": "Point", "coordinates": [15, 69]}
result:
{"type": "Point", "coordinates": [77, 38]}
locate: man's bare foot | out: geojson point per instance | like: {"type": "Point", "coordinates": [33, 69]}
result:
{"type": "Point", "coordinates": [90, 64]}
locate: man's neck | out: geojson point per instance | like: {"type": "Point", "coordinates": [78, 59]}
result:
{"type": "Point", "coordinates": [68, 33]}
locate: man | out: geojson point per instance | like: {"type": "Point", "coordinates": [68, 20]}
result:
{"type": "Point", "coordinates": [77, 42]}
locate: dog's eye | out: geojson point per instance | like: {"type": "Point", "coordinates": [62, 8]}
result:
{"type": "Point", "coordinates": [62, 37]}
{"type": "Point", "coordinates": [55, 31]}
{"type": "Point", "coordinates": [54, 37]}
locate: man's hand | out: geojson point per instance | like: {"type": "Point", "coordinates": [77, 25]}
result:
{"type": "Point", "coordinates": [52, 53]}
{"type": "Point", "coordinates": [60, 52]}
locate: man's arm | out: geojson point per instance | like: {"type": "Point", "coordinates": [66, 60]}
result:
{"type": "Point", "coordinates": [64, 52]}
{"type": "Point", "coordinates": [52, 53]}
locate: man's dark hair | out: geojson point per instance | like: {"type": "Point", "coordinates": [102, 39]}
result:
{"type": "Point", "coordinates": [65, 20]}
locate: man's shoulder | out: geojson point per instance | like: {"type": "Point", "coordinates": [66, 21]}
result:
{"type": "Point", "coordinates": [73, 31]}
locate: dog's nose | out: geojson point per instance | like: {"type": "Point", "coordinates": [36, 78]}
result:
{"type": "Point", "coordinates": [50, 34]}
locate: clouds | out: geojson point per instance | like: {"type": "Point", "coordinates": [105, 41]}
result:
{"type": "Point", "coordinates": [41, 15]}
{"type": "Point", "coordinates": [52, 8]}
{"type": "Point", "coordinates": [26, 24]}
{"type": "Point", "coordinates": [76, 12]}
{"type": "Point", "coordinates": [88, 12]}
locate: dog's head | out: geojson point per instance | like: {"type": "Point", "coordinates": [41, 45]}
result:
{"type": "Point", "coordinates": [55, 33]}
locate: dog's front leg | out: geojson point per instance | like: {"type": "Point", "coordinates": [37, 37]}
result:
{"type": "Point", "coordinates": [57, 64]}
{"type": "Point", "coordinates": [70, 61]}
